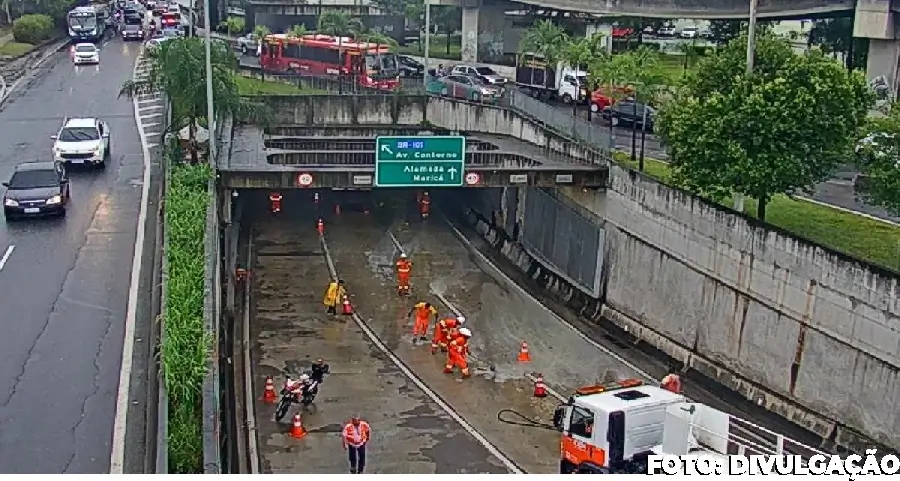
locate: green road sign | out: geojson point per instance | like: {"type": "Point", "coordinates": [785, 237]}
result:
{"type": "Point", "coordinates": [428, 161]}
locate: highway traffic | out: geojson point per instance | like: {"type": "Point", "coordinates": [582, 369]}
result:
{"type": "Point", "coordinates": [382, 373]}
{"type": "Point", "coordinates": [65, 281]}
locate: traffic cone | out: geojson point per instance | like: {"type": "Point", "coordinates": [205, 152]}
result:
{"type": "Point", "coordinates": [540, 389]}
{"type": "Point", "coordinates": [347, 309]}
{"type": "Point", "coordinates": [297, 429]}
{"type": "Point", "coordinates": [320, 226]}
{"type": "Point", "coordinates": [523, 353]}
{"type": "Point", "coordinates": [269, 393]}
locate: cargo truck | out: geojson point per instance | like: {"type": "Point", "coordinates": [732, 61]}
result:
{"type": "Point", "coordinates": [535, 76]}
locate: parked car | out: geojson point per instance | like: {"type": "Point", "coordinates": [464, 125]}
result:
{"type": "Point", "coordinates": [486, 74]}
{"type": "Point", "coordinates": [410, 67]}
{"type": "Point", "coordinates": [666, 31]}
{"type": "Point", "coordinates": [465, 87]}
{"type": "Point", "coordinates": [629, 112]}
{"type": "Point", "coordinates": [690, 32]}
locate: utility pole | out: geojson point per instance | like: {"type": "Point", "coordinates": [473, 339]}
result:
{"type": "Point", "coordinates": [210, 113]}
{"type": "Point", "coordinates": [751, 52]}
{"type": "Point", "coordinates": [427, 40]}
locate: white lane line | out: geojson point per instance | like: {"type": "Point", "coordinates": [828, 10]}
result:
{"type": "Point", "coordinates": [5, 258]}
{"type": "Point", "coordinates": [120, 426]}
{"type": "Point", "coordinates": [509, 463]}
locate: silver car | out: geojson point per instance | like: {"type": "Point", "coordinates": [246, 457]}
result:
{"type": "Point", "coordinates": [469, 88]}
{"type": "Point", "coordinates": [487, 74]}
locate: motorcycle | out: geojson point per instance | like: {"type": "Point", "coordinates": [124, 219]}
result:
{"type": "Point", "coordinates": [306, 398]}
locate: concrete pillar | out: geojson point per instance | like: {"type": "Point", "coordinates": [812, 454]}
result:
{"type": "Point", "coordinates": [873, 19]}
{"type": "Point", "coordinates": [469, 52]}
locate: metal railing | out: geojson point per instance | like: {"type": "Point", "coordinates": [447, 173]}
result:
{"type": "Point", "coordinates": [563, 122]}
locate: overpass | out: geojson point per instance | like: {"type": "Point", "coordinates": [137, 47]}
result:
{"type": "Point", "coordinates": [329, 141]}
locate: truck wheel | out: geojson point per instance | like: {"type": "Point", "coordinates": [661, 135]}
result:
{"type": "Point", "coordinates": [243, 50]}
{"type": "Point", "coordinates": [567, 99]}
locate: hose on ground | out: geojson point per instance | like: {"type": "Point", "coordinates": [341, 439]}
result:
{"type": "Point", "coordinates": [503, 416]}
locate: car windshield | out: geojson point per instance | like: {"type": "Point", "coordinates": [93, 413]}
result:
{"type": "Point", "coordinates": [485, 71]}
{"type": "Point", "coordinates": [479, 82]}
{"type": "Point", "coordinates": [79, 134]}
{"type": "Point", "coordinates": [82, 21]}
{"type": "Point", "coordinates": [33, 179]}
{"type": "Point", "coordinates": [85, 48]}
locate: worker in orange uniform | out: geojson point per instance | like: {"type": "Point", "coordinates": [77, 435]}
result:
{"type": "Point", "coordinates": [672, 383]}
{"type": "Point", "coordinates": [355, 436]}
{"type": "Point", "coordinates": [423, 312]}
{"type": "Point", "coordinates": [444, 332]}
{"type": "Point", "coordinates": [425, 205]}
{"type": "Point", "coordinates": [275, 202]}
{"type": "Point", "coordinates": [458, 353]}
{"type": "Point", "coordinates": [404, 266]}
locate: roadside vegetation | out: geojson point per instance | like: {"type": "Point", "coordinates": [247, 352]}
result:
{"type": "Point", "coordinates": [186, 347]}
{"type": "Point", "coordinates": [33, 29]}
{"type": "Point", "coordinates": [15, 49]}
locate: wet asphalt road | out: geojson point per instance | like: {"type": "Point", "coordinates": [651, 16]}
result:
{"type": "Point", "coordinates": [64, 285]}
{"type": "Point", "coordinates": [289, 329]}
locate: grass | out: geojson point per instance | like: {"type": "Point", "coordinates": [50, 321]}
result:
{"type": "Point", "coordinates": [864, 238]}
{"type": "Point", "coordinates": [15, 49]}
{"type": "Point", "coordinates": [673, 65]}
{"type": "Point", "coordinates": [254, 86]}
{"type": "Point", "coordinates": [186, 345]}
{"type": "Point", "coordinates": [437, 48]}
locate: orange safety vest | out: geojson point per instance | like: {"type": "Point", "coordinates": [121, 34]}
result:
{"type": "Point", "coordinates": [461, 344]}
{"type": "Point", "coordinates": [423, 312]}
{"type": "Point", "coordinates": [672, 383]}
{"type": "Point", "coordinates": [357, 436]}
{"type": "Point", "coordinates": [403, 266]}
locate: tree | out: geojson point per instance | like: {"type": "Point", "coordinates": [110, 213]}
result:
{"type": "Point", "coordinates": [448, 18]}
{"type": "Point", "coordinates": [178, 70]}
{"type": "Point", "coordinates": [835, 36]}
{"type": "Point", "coordinates": [261, 31]}
{"type": "Point", "coordinates": [780, 129]}
{"type": "Point", "coordinates": [235, 25]}
{"type": "Point", "coordinates": [376, 37]}
{"type": "Point", "coordinates": [546, 40]}
{"type": "Point", "coordinates": [338, 24]}
{"type": "Point", "coordinates": [579, 54]}
{"type": "Point", "coordinates": [878, 158]}
{"type": "Point", "coordinates": [645, 78]}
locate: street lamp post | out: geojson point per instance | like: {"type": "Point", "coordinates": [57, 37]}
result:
{"type": "Point", "coordinates": [427, 44]}
{"type": "Point", "coordinates": [751, 52]}
{"type": "Point", "coordinates": [210, 113]}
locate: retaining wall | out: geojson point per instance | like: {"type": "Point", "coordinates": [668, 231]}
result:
{"type": "Point", "coordinates": [810, 334]}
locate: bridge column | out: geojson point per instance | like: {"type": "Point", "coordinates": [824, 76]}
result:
{"type": "Point", "coordinates": [874, 19]}
{"type": "Point", "coordinates": [469, 39]}
{"type": "Point", "coordinates": [486, 32]}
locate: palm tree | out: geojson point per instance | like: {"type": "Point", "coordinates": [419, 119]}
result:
{"type": "Point", "coordinates": [579, 54]}
{"type": "Point", "coordinates": [177, 69]}
{"type": "Point", "coordinates": [376, 37]}
{"type": "Point", "coordinates": [544, 39]}
{"type": "Point", "coordinates": [298, 31]}
{"type": "Point", "coordinates": [338, 24]}
{"type": "Point", "coordinates": [261, 31]}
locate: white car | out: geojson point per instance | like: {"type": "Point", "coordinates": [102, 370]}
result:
{"type": "Point", "coordinates": [85, 53]}
{"type": "Point", "coordinates": [154, 43]}
{"type": "Point", "coordinates": [690, 32]}
{"type": "Point", "coordinates": [82, 141]}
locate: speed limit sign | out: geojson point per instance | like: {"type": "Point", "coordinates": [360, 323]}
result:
{"type": "Point", "coordinates": [472, 178]}
{"type": "Point", "coordinates": [304, 180]}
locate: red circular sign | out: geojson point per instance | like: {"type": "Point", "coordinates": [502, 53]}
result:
{"type": "Point", "coordinates": [472, 178]}
{"type": "Point", "coordinates": [304, 180]}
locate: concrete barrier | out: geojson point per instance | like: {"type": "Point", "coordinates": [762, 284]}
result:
{"type": "Point", "coordinates": [806, 332]}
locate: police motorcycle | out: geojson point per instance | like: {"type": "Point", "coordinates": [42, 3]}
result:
{"type": "Point", "coordinates": [301, 391]}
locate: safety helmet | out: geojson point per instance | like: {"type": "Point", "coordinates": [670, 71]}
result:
{"type": "Point", "coordinates": [304, 377]}
{"type": "Point", "coordinates": [319, 360]}
{"type": "Point", "coordinates": [465, 332]}
{"type": "Point", "coordinates": [403, 255]}
{"type": "Point", "coordinates": [461, 319]}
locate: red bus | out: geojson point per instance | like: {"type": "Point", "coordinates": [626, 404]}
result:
{"type": "Point", "coordinates": [370, 64]}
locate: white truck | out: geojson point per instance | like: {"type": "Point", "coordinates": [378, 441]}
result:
{"type": "Point", "coordinates": [613, 428]}
{"type": "Point", "coordinates": [540, 80]}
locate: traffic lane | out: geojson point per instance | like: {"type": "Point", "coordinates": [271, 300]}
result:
{"type": "Point", "coordinates": [363, 254]}
{"type": "Point", "coordinates": [67, 279]}
{"type": "Point", "coordinates": [841, 192]}
{"type": "Point", "coordinates": [290, 329]}
{"type": "Point", "coordinates": [653, 147]}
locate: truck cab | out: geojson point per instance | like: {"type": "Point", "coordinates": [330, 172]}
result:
{"type": "Point", "coordinates": [613, 428]}
{"type": "Point", "coordinates": [536, 76]}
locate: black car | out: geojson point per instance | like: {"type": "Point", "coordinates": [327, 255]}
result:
{"type": "Point", "coordinates": [410, 67]}
{"type": "Point", "coordinates": [132, 32]}
{"type": "Point", "coordinates": [629, 112]}
{"type": "Point", "coordinates": [36, 189]}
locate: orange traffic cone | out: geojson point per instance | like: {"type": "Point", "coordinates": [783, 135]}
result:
{"type": "Point", "coordinates": [320, 226]}
{"type": "Point", "coordinates": [297, 429]}
{"type": "Point", "coordinates": [540, 389]}
{"type": "Point", "coordinates": [269, 393]}
{"type": "Point", "coordinates": [523, 353]}
{"type": "Point", "coordinates": [337, 209]}
{"type": "Point", "coordinates": [346, 308]}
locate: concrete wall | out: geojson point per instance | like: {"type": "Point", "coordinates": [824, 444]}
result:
{"type": "Point", "coordinates": [320, 110]}
{"type": "Point", "coordinates": [808, 333]}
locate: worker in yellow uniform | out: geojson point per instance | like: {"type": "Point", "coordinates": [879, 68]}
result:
{"type": "Point", "coordinates": [333, 296]}
{"type": "Point", "coordinates": [423, 312]}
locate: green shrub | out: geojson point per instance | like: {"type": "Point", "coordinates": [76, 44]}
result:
{"type": "Point", "coordinates": [186, 346]}
{"type": "Point", "coordinates": [33, 28]}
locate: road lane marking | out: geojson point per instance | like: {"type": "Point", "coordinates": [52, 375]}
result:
{"type": "Point", "coordinates": [5, 258]}
{"type": "Point", "coordinates": [120, 426]}
{"type": "Point", "coordinates": [444, 405]}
